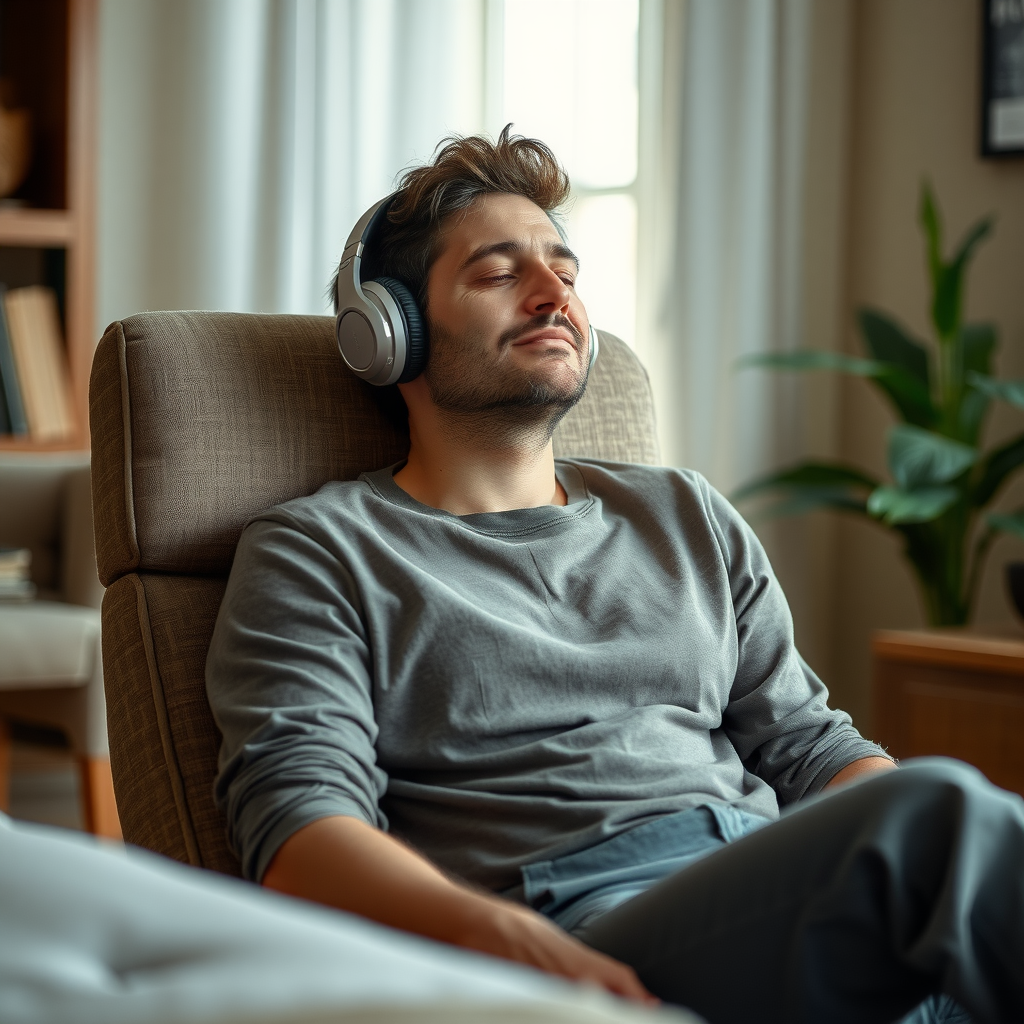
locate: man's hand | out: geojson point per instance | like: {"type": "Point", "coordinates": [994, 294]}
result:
{"type": "Point", "coordinates": [508, 930]}
{"type": "Point", "coordinates": [348, 864]}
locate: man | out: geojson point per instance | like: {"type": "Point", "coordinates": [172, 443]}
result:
{"type": "Point", "coordinates": [550, 710]}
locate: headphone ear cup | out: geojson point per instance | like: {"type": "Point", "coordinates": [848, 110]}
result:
{"type": "Point", "coordinates": [415, 328]}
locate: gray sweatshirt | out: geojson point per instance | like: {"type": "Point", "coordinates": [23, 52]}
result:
{"type": "Point", "coordinates": [507, 687]}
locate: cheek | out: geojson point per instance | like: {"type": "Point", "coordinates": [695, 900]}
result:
{"type": "Point", "coordinates": [481, 318]}
{"type": "Point", "coordinates": [578, 315]}
{"type": "Point", "coordinates": [464, 331]}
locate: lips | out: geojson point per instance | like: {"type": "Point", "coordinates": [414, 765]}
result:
{"type": "Point", "coordinates": [544, 329]}
{"type": "Point", "coordinates": [548, 334]}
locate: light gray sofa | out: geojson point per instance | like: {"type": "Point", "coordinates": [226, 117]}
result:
{"type": "Point", "coordinates": [94, 936]}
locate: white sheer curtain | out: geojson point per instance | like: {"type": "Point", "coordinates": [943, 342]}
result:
{"type": "Point", "coordinates": [241, 139]}
{"type": "Point", "coordinates": [734, 147]}
{"type": "Point", "coordinates": [743, 152]}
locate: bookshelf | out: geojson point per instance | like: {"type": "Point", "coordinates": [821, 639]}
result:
{"type": "Point", "coordinates": [48, 64]}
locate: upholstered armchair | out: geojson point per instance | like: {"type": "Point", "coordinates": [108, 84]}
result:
{"type": "Point", "coordinates": [50, 669]}
{"type": "Point", "coordinates": [199, 422]}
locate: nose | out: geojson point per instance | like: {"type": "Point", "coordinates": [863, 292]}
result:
{"type": "Point", "coordinates": [548, 293]}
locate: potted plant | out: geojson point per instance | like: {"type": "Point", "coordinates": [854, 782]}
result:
{"type": "Point", "coordinates": [942, 481]}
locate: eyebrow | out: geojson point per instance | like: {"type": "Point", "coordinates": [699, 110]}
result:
{"type": "Point", "coordinates": [513, 248]}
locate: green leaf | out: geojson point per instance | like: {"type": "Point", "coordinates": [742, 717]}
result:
{"type": "Point", "coordinates": [973, 406]}
{"type": "Point", "coordinates": [921, 458]}
{"type": "Point", "coordinates": [929, 217]}
{"type": "Point", "coordinates": [910, 397]}
{"type": "Point", "coordinates": [809, 486]}
{"type": "Point", "coordinates": [908, 394]}
{"type": "Point", "coordinates": [949, 287]}
{"type": "Point", "coordinates": [895, 505]}
{"type": "Point", "coordinates": [815, 475]}
{"type": "Point", "coordinates": [810, 499]}
{"type": "Point", "coordinates": [904, 377]}
{"type": "Point", "coordinates": [1011, 391]}
{"type": "Point", "coordinates": [996, 467]}
{"type": "Point", "coordinates": [888, 343]}
{"type": "Point", "coordinates": [978, 342]}
{"type": "Point", "coordinates": [1013, 523]}
{"type": "Point", "coordinates": [809, 359]}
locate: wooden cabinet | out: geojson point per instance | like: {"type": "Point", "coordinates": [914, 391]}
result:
{"type": "Point", "coordinates": [957, 692]}
{"type": "Point", "coordinates": [48, 65]}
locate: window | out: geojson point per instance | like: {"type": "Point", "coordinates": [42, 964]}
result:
{"type": "Point", "coordinates": [565, 72]}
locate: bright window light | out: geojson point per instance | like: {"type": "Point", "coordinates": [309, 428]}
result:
{"type": "Point", "coordinates": [602, 233]}
{"type": "Point", "coordinates": [569, 78]}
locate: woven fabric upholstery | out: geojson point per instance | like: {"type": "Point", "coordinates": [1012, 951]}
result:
{"type": "Point", "coordinates": [163, 751]}
{"type": "Point", "coordinates": [200, 421]}
{"type": "Point", "coordinates": [615, 419]}
{"type": "Point", "coordinates": [146, 773]}
{"type": "Point", "coordinates": [220, 416]}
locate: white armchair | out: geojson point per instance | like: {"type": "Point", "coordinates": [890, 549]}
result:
{"type": "Point", "coordinates": [50, 667]}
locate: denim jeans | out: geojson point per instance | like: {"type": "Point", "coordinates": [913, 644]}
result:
{"type": "Point", "coordinates": [851, 908]}
{"type": "Point", "coordinates": [576, 889]}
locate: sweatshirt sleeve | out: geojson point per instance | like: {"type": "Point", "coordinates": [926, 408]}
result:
{"type": "Point", "coordinates": [778, 716]}
{"type": "Point", "coordinates": [289, 680]}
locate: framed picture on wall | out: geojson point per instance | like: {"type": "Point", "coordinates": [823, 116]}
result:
{"type": "Point", "coordinates": [1002, 83]}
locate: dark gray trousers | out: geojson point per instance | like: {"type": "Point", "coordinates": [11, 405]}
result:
{"type": "Point", "coordinates": [854, 907]}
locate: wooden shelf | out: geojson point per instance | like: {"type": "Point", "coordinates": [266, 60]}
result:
{"type": "Point", "coordinates": [74, 443]}
{"type": "Point", "coordinates": [45, 228]}
{"type": "Point", "coordinates": [48, 50]}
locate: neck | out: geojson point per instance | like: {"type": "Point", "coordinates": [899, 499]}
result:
{"type": "Point", "coordinates": [464, 466]}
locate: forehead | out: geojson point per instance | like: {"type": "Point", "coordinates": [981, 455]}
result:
{"type": "Point", "coordinates": [496, 218]}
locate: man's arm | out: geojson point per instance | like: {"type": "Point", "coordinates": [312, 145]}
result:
{"type": "Point", "coordinates": [345, 863]}
{"type": "Point", "coordinates": [777, 717]}
{"type": "Point", "coordinates": [865, 766]}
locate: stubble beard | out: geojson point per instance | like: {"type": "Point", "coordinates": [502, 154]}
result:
{"type": "Point", "coordinates": [496, 403]}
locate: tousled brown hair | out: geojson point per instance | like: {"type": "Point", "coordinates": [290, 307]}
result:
{"type": "Point", "coordinates": [463, 169]}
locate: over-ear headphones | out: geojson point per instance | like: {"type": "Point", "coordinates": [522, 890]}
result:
{"type": "Point", "coordinates": [381, 332]}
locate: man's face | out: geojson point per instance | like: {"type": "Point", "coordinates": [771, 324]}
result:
{"type": "Point", "coordinates": [507, 330]}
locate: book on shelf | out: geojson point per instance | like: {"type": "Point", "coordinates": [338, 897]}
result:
{"type": "Point", "coordinates": [16, 591]}
{"type": "Point", "coordinates": [33, 324]}
{"type": "Point", "coordinates": [12, 409]}
{"type": "Point", "coordinates": [15, 584]}
{"type": "Point", "coordinates": [15, 562]}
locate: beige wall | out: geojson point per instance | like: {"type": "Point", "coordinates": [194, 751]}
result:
{"type": "Point", "coordinates": [914, 96]}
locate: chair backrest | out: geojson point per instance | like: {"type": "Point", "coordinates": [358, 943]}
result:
{"type": "Point", "coordinates": [199, 422]}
